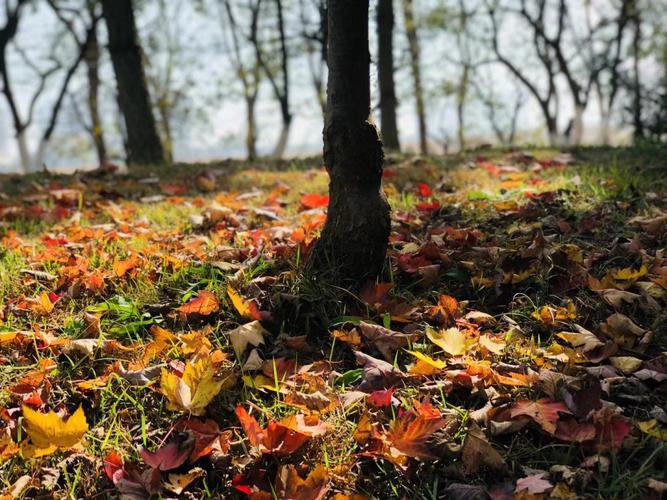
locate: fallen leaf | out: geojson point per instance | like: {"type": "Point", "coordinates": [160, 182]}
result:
{"type": "Point", "coordinates": [194, 390]}
{"type": "Point", "coordinates": [453, 341]}
{"type": "Point", "coordinates": [177, 483]}
{"type": "Point", "coordinates": [387, 341]}
{"type": "Point", "coordinates": [544, 412]}
{"type": "Point", "coordinates": [204, 304]}
{"type": "Point", "coordinates": [169, 456]}
{"type": "Point", "coordinates": [251, 333]}
{"type": "Point", "coordinates": [535, 484]}
{"type": "Point", "coordinates": [49, 432]}
{"type": "Point", "coordinates": [652, 428]}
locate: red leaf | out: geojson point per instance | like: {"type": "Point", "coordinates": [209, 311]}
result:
{"type": "Point", "coordinates": [169, 456]}
{"type": "Point", "coordinates": [380, 398]}
{"type": "Point", "coordinates": [314, 200]}
{"type": "Point", "coordinates": [284, 437]}
{"type": "Point", "coordinates": [207, 436]}
{"type": "Point", "coordinates": [112, 462]}
{"type": "Point", "coordinates": [424, 190]}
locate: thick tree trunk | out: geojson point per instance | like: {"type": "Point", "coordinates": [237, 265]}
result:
{"type": "Point", "coordinates": [353, 243]}
{"type": "Point", "coordinates": [144, 144]}
{"type": "Point", "coordinates": [385, 28]}
{"type": "Point", "coordinates": [415, 65]}
{"type": "Point", "coordinates": [92, 59]}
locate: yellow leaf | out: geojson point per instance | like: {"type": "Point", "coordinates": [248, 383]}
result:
{"type": "Point", "coordinates": [491, 344]}
{"type": "Point", "coordinates": [435, 363]}
{"type": "Point", "coordinates": [195, 342]}
{"type": "Point", "coordinates": [452, 341]}
{"type": "Point", "coordinates": [48, 432]}
{"type": "Point", "coordinates": [652, 428]}
{"type": "Point", "coordinates": [195, 390]}
{"type": "Point", "coordinates": [627, 364]}
{"type": "Point", "coordinates": [43, 304]}
{"type": "Point", "coordinates": [7, 337]}
{"type": "Point", "coordinates": [628, 273]}
{"type": "Point", "coordinates": [240, 304]}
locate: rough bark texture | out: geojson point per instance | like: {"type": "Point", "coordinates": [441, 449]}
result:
{"type": "Point", "coordinates": [144, 146]}
{"type": "Point", "coordinates": [354, 240]}
{"type": "Point", "coordinates": [385, 28]}
{"type": "Point", "coordinates": [415, 65]}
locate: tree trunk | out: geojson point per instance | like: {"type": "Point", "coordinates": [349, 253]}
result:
{"type": "Point", "coordinates": [636, 53]}
{"type": "Point", "coordinates": [413, 43]}
{"type": "Point", "coordinates": [24, 153]}
{"type": "Point", "coordinates": [354, 240]}
{"type": "Point", "coordinates": [281, 145]}
{"type": "Point", "coordinates": [577, 130]}
{"type": "Point", "coordinates": [144, 146]}
{"type": "Point", "coordinates": [385, 28]}
{"type": "Point", "coordinates": [251, 128]}
{"type": "Point", "coordinates": [461, 97]}
{"type": "Point", "coordinates": [92, 59]}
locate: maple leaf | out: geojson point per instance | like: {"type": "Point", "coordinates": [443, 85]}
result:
{"type": "Point", "coordinates": [446, 311]}
{"type": "Point", "coordinates": [194, 390]}
{"type": "Point", "coordinates": [251, 333]}
{"type": "Point", "coordinates": [478, 452]}
{"type": "Point", "coordinates": [534, 484]}
{"type": "Point", "coordinates": [544, 412]}
{"type": "Point", "coordinates": [453, 341]}
{"type": "Point", "coordinates": [425, 364]}
{"type": "Point", "coordinates": [48, 432]}
{"type": "Point", "coordinates": [380, 398]}
{"type": "Point", "coordinates": [283, 437]}
{"type": "Point", "coordinates": [204, 304]}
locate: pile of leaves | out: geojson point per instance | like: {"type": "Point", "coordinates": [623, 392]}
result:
{"type": "Point", "coordinates": [161, 337]}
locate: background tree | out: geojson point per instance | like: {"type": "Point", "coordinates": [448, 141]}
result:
{"type": "Point", "coordinates": [143, 141]}
{"type": "Point", "coordinates": [81, 38]}
{"type": "Point", "coordinates": [385, 61]}
{"type": "Point", "coordinates": [353, 243]}
{"type": "Point", "coordinates": [313, 17]}
{"type": "Point", "coordinates": [415, 66]}
{"type": "Point", "coordinates": [248, 71]}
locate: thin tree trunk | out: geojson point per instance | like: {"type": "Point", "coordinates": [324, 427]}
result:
{"type": "Point", "coordinates": [413, 43]}
{"type": "Point", "coordinates": [388, 103]}
{"type": "Point", "coordinates": [251, 129]}
{"type": "Point", "coordinates": [637, 97]}
{"type": "Point", "coordinates": [577, 131]}
{"type": "Point", "coordinates": [92, 59]}
{"type": "Point", "coordinates": [353, 243]}
{"type": "Point", "coordinates": [144, 146]}
{"type": "Point", "coordinates": [460, 104]}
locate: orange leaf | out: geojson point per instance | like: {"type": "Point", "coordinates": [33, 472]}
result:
{"type": "Point", "coordinates": [314, 200]}
{"type": "Point", "coordinates": [206, 303]}
{"type": "Point", "coordinates": [246, 308]}
{"type": "Point", "coordinates": [544, 412]}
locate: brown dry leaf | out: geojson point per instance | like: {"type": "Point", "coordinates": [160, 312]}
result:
{"type": "Point", "coordinates": [478, 452]}
{"type": "Point", "coordinates": [387, 341]}
{"type": "Point", "coordinates": [290, 485]}
{"type": "Point", "coordinates": [178, 482]}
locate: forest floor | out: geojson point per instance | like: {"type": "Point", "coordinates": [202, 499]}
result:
{"type": "Point", "coordinates": [515, 345]}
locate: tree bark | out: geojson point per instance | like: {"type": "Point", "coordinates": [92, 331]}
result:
{"type": "Point", "coordinates": [92, 59]}
{"type": "Point", "coordinates": [461, 97]}
{"type": "Point", "coordinates": [144, 146]}
{"type": "Point", "coordinates": [385, 29]}
{"type": "Point", "coordinates": [415, 65]}
{"type": "Point", "coordinates": [354, 240]}
{"type": "Point", "coordinates": [637, 91]}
